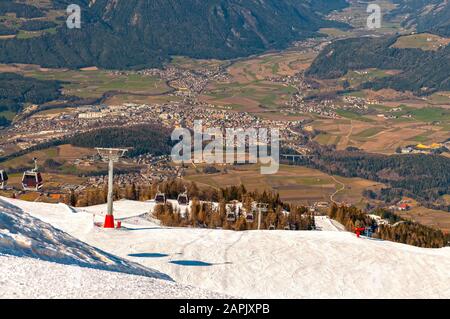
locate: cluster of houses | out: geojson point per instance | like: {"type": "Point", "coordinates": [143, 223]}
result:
{"type": "Point", "coordinates": [426, 149]}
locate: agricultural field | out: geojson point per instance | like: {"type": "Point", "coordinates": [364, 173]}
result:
{"type": "Point", "coordinates": [196, 64]}
{"type": "Point", "coordinates": [8, 115]}
{"type": "Point", "coordinates": [270, 65]}
{"type": "Point", "coordinates": [257, 96]}
{"type": "Point", "coordinates": [295, 184]}
{"type": "Point", "coordinates": [356, 78]}
{"type": "Point", "coordinates": [250, 88]}
{"type": "Point", "coordinates": [423, 41]}
{"type": "Point", "coordinates": [92, 82]}
{"type": "Point", "coordinates": [63, 154]}
{"type": "Point", "coordinates": [385, 127]}
{"type": "Point", "coordinates": [18, 25]}
{"type": "Point", "coordinates": [429, 217]}
{"type": "Point", "coordinates": [142, 99]}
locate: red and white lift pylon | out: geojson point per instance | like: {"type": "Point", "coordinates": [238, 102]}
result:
{"type": "Point", "coordinates": [111, 155]}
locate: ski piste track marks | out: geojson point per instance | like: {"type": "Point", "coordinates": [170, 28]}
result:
{"type": "Point", "coordinates": [265, 264]}
{"type": "Point", "coordinates": [24, 235]}
{"type": "Point", "coordinates": [184, 247]}
{"type": "Point", "coordinates": [226, 258]}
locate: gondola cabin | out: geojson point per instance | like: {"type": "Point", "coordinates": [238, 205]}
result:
{"type": "Point", "coordinates": [231, 216]}
{"type": "Point", "coordinates": [32, 179]}
{"type": "Point", "coordinates": [3, 179]}
{"type": "Point", "coordinates": [160, 198]}
{"type": "Point", "coordinates": [183, 199]}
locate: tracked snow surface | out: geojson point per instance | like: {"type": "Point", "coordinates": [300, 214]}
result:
{"type": "Point", "coordinates": [40, 261]}
{"type": "Point", "coordinates": [330, 263]}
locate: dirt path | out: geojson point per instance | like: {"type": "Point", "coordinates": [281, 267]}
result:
{"type": "Point", "coordinates": [338, 190]}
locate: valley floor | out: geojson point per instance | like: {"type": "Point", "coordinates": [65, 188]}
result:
{"type": "Point", "coordinates": [258, 264]}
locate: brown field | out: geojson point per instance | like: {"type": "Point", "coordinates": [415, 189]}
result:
{"type": "Point", "coordinates": [61, 154]}
{"type": "Point", "coordinates": [268, 65]}
{"type": "Point", "coordinates": [294, 183]}
{"type": "Point", "coordinates": [51, 180]}
{"type": "Point", "coordinates": [429, 217]}
{"type": "Point", "coordinates": [5, 37]}
{"type": "Point", "coordinates": [380, 135]}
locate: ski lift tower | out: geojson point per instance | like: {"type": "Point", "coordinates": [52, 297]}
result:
{"type": "Point", "coordinates": [110, 155]}
{"type": "Point", "coordinates": [262, 208]}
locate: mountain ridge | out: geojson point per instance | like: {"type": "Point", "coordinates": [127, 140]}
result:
{"type": "Point", "coordinates": [135, 34]}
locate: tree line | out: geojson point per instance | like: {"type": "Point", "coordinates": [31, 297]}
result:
{"type": "Point", "coordinates": [206, 215]}
{"type": "Point", "coordinates": [423, 177]}
{"type": "Point", "coordinates": [202, 212]}
{"type": "Point", "coordinates": [397, 229]}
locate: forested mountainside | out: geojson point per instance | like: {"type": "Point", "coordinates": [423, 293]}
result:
{"type": "Point", "coordinates": [140, 139]}
{"type": "Point", "coordinates": [426, 15]}
{"type": "Point", "coordinates": [15, 90]}
{"type": "Point", "coordinates": [422, 72]}
{"type": "Point", "coordinates": [141, 33]}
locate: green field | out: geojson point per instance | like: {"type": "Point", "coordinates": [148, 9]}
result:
{"type": "Point", "coordinates": [8, 115]}
{"type": "Point", "coordinates": [356, 78]}
{"type": "Point", "coordinates": [92, 84]}
{"type": "Point", "coordinates": [431, 114]}
{"type": "Point", "coordinates": [423, 41]}
{"type": "Point", "coordinates": [33, 34]}
{"type": "Point", "coordinates": [353, 116]}
{"type": "Point", "coordinates": [422, 138]}
{"type": "Point", "coordinates": [369, 132]}
{"type": "Point", "coordinates": [269, 95]}
{"type": "Point", "coordinates": [293, 183]}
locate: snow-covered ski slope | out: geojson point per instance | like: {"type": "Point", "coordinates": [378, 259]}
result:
{"type": "Point", "coordinates": [40, 261]}
{"type": "Point", "coordinates": [261, 264]}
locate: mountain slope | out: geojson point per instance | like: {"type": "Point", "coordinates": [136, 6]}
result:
{"type": "Point", "coordinates": [426, 15]}
{"type": "Point", "coordinates": [423, 72]}
{"type": "Point", "coordinates": [25, 236]}
{"type": "Point", "coordinates": [40, 261]}
{"type": "Point", "coordinates": [44, 279]}
{"type": "Point", "coordinates": [266, 264]}
{"type": "Point", "coordinates": [138, 33]}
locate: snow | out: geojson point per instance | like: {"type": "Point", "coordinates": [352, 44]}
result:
{"type": "Point", "coordinates": [324, 223]}
{"type": "Point", "coordinates": [34, 278]}
{"type": "Point", "coordinates": [40, 261]}
{"type": "Point", "coordinates": [261, 264]}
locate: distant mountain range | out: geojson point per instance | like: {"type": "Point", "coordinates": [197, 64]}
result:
{"type": "Point", "coordinates": [140, 33]}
